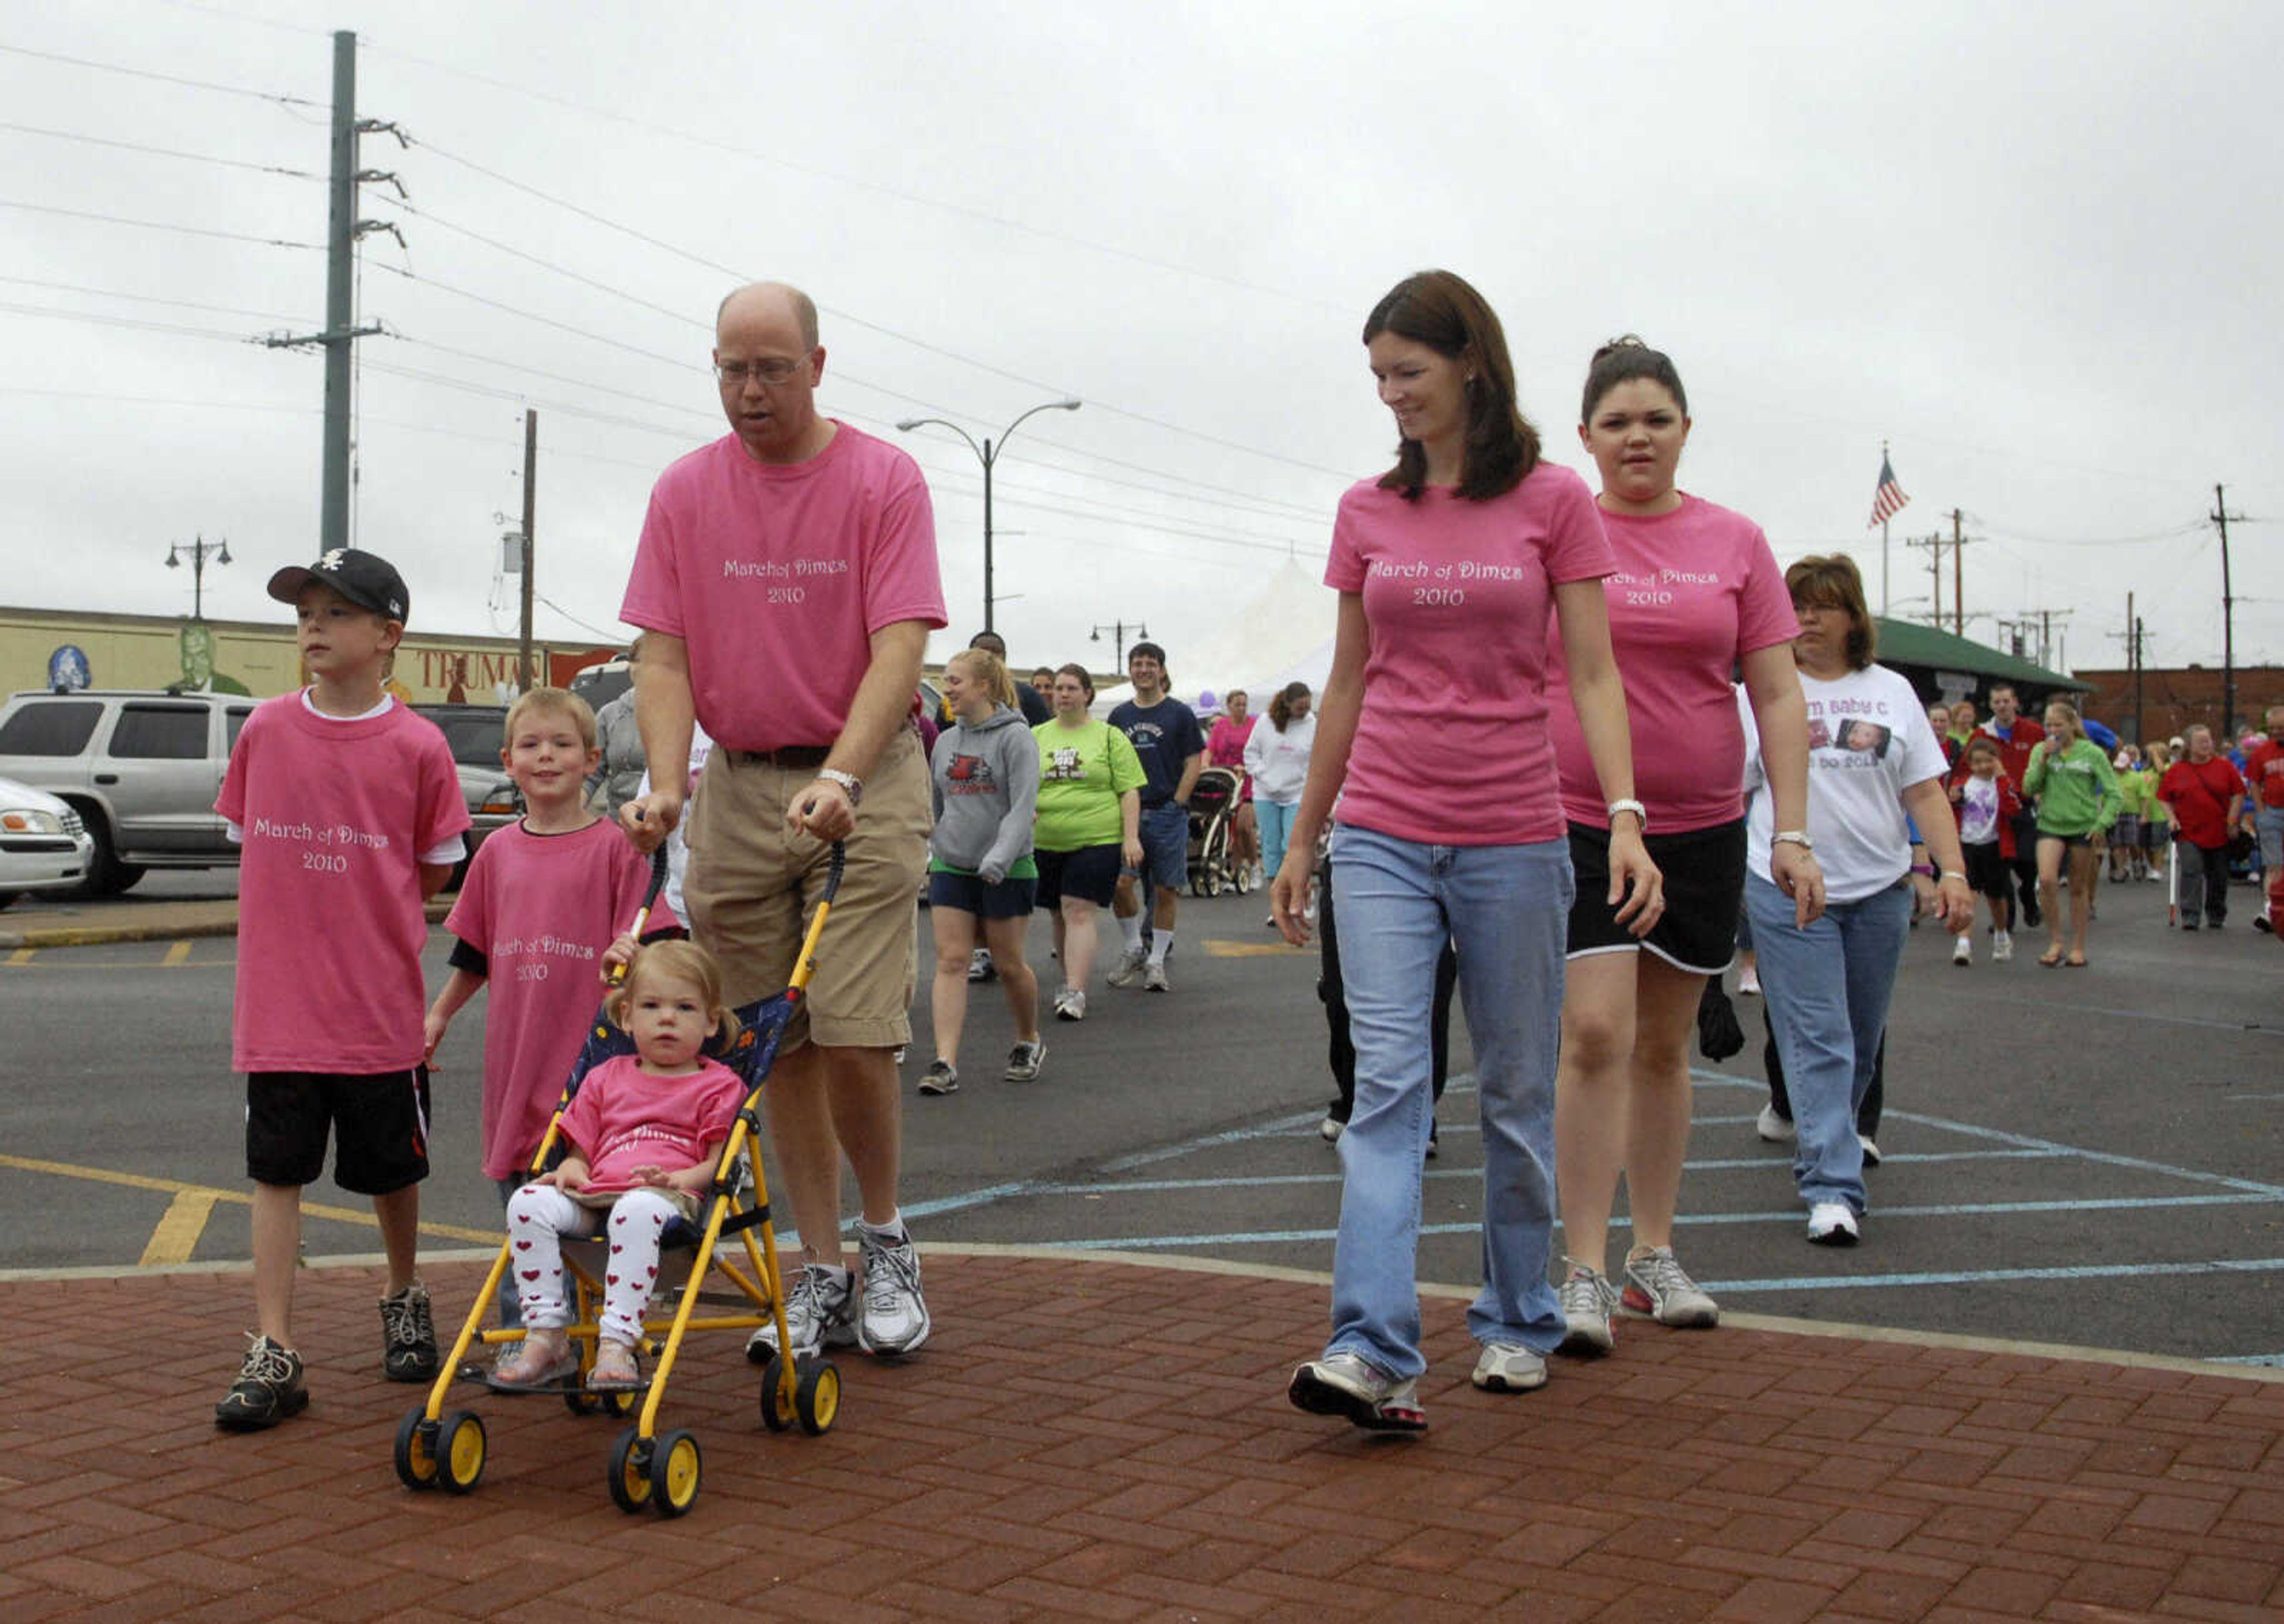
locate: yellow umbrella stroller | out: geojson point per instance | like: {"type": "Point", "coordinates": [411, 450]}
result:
{"type": "Point", "coordinates": [436, 1448]}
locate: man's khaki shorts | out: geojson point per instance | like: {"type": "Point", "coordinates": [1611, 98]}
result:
{"type": "Point", "coordinates": [752, 885]}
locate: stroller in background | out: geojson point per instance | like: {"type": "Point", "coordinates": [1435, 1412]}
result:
{"type": "Point", "coordinates": [646, 1467]}
{"type": "Point", "coordinates": [1213, 817]}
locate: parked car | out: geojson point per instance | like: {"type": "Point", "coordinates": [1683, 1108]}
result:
{"type": "Point", "coordinates": [477, 734]}
{"type": "Point", "coordinates": [44, 846]}
{"type": "Point", "coordinates": [141, 767]}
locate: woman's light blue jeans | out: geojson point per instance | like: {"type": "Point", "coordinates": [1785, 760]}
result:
{"type": "Point", "coordinates": [1505, 909]}
{"type": "Point", "coordinates": [1275, 819]}
{"type": "Point", "coordinates": [1828, 989]}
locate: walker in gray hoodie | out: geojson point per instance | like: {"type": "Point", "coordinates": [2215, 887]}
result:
{"type": "Point", "coordinates": [985, 780]}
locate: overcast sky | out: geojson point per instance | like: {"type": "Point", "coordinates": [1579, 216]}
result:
{"type": "Point", "coordinates": [2034, 247]}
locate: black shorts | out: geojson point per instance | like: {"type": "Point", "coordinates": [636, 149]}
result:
{"type": "Point", "coordinates": [1704, 871]}
{"type": "Point", "coordinates": [1987, 874]}
{"type": "Point", "coordinates": [2070, 842]}
{"type": "Point", "coordinates": [1089, 874]}
{"type": "Point", "coordinates": [379, 1125]}
{"type": "Point", "coordinates": [1009, 898]}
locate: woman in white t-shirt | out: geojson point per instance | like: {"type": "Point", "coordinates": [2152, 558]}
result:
{"type": "Point", "coordinates": [1277, 759]}
{"type": "Point", "coordinates": [1872, 760]}
{"type": "Point", "coordinates": [1455, 570]}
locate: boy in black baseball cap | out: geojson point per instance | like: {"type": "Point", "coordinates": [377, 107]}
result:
{"type": "Point", "coordinates": [347, 810]}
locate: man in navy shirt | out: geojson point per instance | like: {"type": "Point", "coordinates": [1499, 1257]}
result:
{"type": "Point", "coordinates": [1172, 747]}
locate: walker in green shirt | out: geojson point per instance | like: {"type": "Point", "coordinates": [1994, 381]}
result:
{"type": "Point", "coordinates": [2077, 791]}
{"type": "Point", "coordinates": [1083, 771]}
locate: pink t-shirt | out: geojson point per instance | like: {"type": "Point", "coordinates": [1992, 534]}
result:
{"type": "Point", "coordinates": [1695, 590]}
{"type": "Point", "coordinates": [1452, 748]}
{"type": "Point", "coordinates": [1225, 743]}
{"type": "Point", "coordinates": [330, 924]}
{"type": "Point", "coordinates": [624, 1118]}
{"type": "Point", "coordinates": [777, 576]}
{"type": "Point", "coordinates": [541, 908]}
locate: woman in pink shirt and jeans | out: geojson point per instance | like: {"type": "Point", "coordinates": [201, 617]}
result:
{"type": "Point", "coordinates": [1452, 569]}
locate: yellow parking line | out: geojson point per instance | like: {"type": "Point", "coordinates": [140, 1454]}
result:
{"type": "Point", "coordinates": [238, 1197]}
{"type": "Point", "coordinates": [176, 953]}
{"type": "Point", "coordinates": [1253, 949]}
{"type": "Point", "coordinates": [21, 955]}
{"type": "Point", "coordinates": [178, 1231]}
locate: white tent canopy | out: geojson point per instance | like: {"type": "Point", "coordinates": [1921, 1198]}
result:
{"type": "Point", "coordinates": [1284, 634]}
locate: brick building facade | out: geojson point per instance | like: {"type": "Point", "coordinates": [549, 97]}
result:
{"type": "Point", "coordinates": [2174, 698]}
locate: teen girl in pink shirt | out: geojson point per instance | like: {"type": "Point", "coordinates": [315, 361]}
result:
{"type": "Point", "coordinates": [1433, 731]}
{"type": "Point", "coordinates": [1696, 594]}
{"type": "Point", "coordinates": [644, 1132]}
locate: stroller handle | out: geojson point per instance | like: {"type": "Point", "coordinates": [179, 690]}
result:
{"type": "Point", "coordinates": [642, 914]}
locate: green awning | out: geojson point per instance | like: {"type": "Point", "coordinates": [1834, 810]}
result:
{"type": "Point", "coordinates": [1905, 643]}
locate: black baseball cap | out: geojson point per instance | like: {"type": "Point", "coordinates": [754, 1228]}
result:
{"type": "Point", "coordinates": [365, 579]}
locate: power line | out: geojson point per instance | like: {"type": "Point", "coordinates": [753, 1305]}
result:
{"type": "Point", "coordinates": [94, 318]}
{"type": "Point", "coordinates": [107, 293]}
{"type": "Point", "coordinates": [163, 152]}
{"type": "Point", "coordinates": [962, 210]}
{"type": "Point", "coordinates": [154, 225]}
{"type": "Point", "coordinates": [141, 72]}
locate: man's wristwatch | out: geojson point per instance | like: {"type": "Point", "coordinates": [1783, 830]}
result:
{"type": "Point", "coordinates": [848, 781]}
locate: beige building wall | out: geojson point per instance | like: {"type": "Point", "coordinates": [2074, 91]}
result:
{"type": "Point", "coordinates": [126, 651]}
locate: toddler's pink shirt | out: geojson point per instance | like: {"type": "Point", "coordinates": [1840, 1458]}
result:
{"type": "Point", "coordinates": [776, 576]}
{"type": "Point", "coordinates": [1452, 748]}
{"type": "Point", "coordinates": [1694, 589]}
{"type": "Point", "coordinates": [541, 908]}
{"type": "Point", "coordinates": [624, 1118]}
{"type": "Point", "coordinates": [330, 922]}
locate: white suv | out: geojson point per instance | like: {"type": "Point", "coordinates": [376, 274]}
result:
{"type": "Point", "coordinates": [141, 768]}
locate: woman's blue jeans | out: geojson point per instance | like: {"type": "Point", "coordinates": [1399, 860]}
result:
{"type": "Point", "coordinates": [1828, 989]}
{"type": "Point", "coordinates": [1505, 909]}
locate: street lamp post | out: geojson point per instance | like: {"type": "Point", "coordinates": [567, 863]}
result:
{"type": "Point", "coordinates": [1118, 630]}
{"type": "Point", "coordinates": [198, 549]}
{"type": "Point", "coordinates": [988, 454]}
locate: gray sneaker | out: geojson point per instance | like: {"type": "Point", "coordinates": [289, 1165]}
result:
{"type": "Point", "coordinates": [1656, 1288]}
{"type": "Point", "coordinates": [940, 1077]}
{"type": "Point", "coordinates": [980, 967]}
{"type": "Point", "coordinates": [1023, 1060]}
{"type": "Point", "coordinates": [1130, 967]}
{"type": "Point", "coordinates": [408, 1349]}
{"type": "Point", "coordinates": [268, 1389]}
{"type": "Point", "coordinates": [820, 1312]}
{"type": "Point", "coordinates": [1588, 1301]}
{"type": "Point", "coordinates": [894, 1317]}
{"type": "Point", "coordinates": [1347, 1385]}
{"type": "Point", "coordinates": [1506, 1368]}
{"type": "Point", "coordinates": [1154, 977]}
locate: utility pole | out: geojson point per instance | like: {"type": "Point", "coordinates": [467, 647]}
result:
{"type": "Point", "coordinates": [531, 498]}
{"type": "Point", "coordinates": [1957, 576]}
{"type": "Point", "coordinates": [2221, 516]}
{"type": "Point", "coordinates": [1934, 545]}
{"type": "Point", "coordinates": [343, 230]}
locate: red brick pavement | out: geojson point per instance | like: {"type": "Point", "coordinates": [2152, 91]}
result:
{"type": "Point", "coordinates": [1089, 1439]}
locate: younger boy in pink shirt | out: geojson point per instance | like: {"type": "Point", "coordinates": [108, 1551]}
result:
{"type": "Point", "coordinates": [349, 814]}
{"type": "Point", "coordinates": [536, 918]}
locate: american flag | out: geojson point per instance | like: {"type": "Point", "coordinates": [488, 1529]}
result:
{"type": "Point", "coordinates": [1888, 497]}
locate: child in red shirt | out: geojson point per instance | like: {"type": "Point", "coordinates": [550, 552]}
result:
{"type": "Point", "coordinates": [645, 1133]}
{"type": "Point", "coordinates": [349, 812]}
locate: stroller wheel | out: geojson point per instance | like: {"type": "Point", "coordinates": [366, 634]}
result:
{"type": "Point", "coordinates": [460, 1436]}
{"type": "Point", "coordinates": [817, 1396]}
{"type": "Point", "coordinates": [776, 1403]}
{"type": "Point", "coordinates": [630, 1459]}
{"type": "Point", "coordinates": [416, 1451]}
{"type": "Point", "coordinates": [676, 1472]}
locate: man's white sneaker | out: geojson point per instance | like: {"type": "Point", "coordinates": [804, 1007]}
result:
{"type": "Point", "coordinates": [2002, 947]}
{"type": "Point", "coordinates": [893, 1319]}
{"type": "Point", "coordinates": [1830, 1223]}
{"type": "Point", "coordinates": [1154, 977]}
{"type": "Point", "coordinates": [1774, 1129]}
{"type": "Point", "coordinates": [1129, 968]}
{"type": "Point", "coordinates": [1505, 1368]}
{"type": "Point", "coordinates": [820, 1312]}
{"type": "Point", "coordinates": [1963, 951]}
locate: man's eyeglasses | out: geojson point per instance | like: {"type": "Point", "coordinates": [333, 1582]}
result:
{"type": "Point", "coordinates": [775, 370]}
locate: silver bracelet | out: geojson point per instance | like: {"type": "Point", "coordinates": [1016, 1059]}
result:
{"type": "Point", "coordinates": [1793, 836]}
{"type": "Point", "coordinates": [1640, 812]}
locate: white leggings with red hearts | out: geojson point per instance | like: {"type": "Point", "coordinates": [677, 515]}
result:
{"type": "Point", "coordinates": [539, 1217]}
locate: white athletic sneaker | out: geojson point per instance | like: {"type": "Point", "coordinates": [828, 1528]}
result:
{"type": "Point", "coordinates": [1129, 968]}
{"type": "Point", "coordinates": [1749, 983]}
{"type": "Point", "coordinates": [1870, 1150]}
{"type": "Point", "coordinates": [1505, 1368]}
{"type": "Point", "coordinates": [1070, 1003]}
{"type": "Point", "coordinates": [2002, 947]}
{"type": "Point", "coordinates": [894, 1318]}
{"type": "Point", "coordinates": [1830, 1223]}
{"type": "Point", "coordinates": [1774, 1129]}
{"type": "Point", "coordinates": [1963, 951]}
{"type": "Point", "coordinates": [1588, 1300]}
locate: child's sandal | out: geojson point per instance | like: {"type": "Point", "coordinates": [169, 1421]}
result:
{"type": "Point", "coordinates": [615, 1368]}
{"type": "Point", "coordinates": [541, 1359]}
